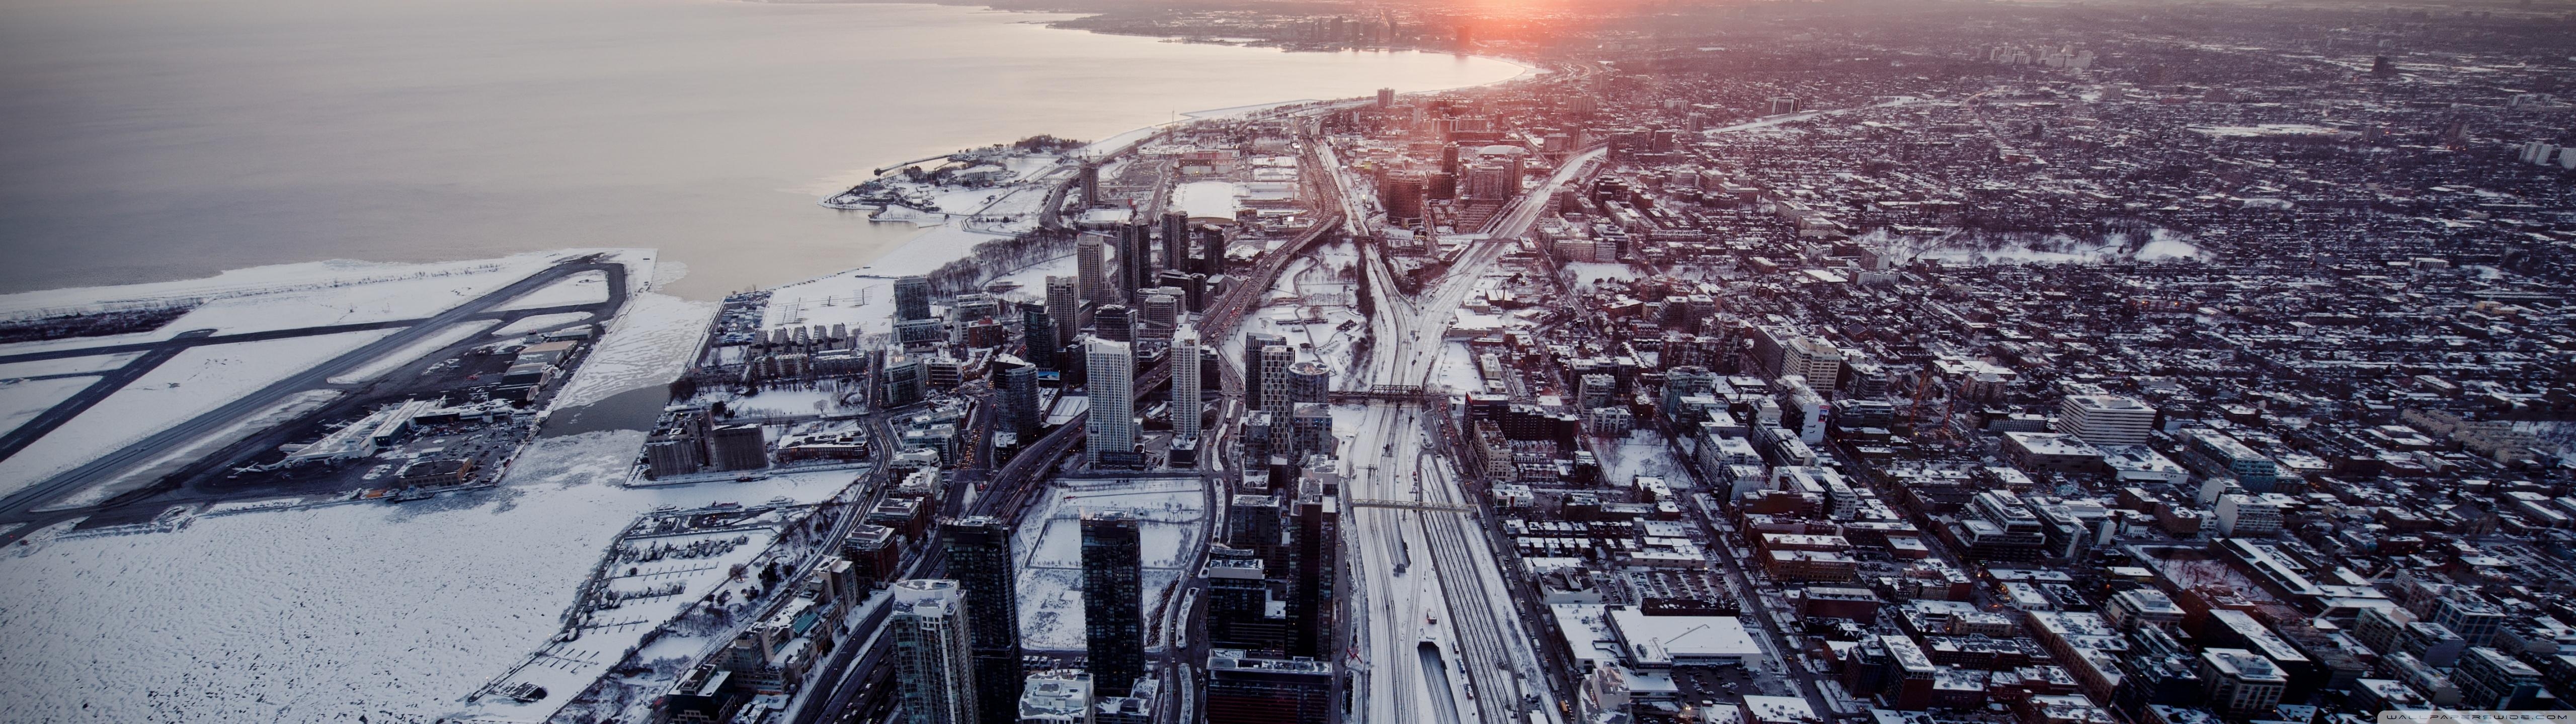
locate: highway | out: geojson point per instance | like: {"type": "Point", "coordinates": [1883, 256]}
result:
{"type": "Point", "coordinates": [107, 468]}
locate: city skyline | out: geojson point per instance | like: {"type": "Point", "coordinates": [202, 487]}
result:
{"type": "Point", "coordinates": [1848, 361]}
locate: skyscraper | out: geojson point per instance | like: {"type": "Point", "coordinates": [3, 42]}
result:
{"type": "Point", "coordinates": [1110, 429]}
{"type": "Point", "coordinates": [1090, 183]}
{"type": "Point", "coordinates": [978, 550]}
{"type": "Point", "coordinates": [933, 676]}
{"type": "Point", "coordinates": [1112, 588]}
{"type": "Point", "coordinates": [1017, 380]}
{"type": "Point", "coordinates": [1211, 251]}
{"type": "Point", "coordinates": [1176, 238]}
{"type": "Point", "coordinates": [1319, 523]}
{"type": "Point", "coordinates": [1253, 345]}
{"type": "Point", "coordinates": [1037, 327]}
{"type": "Point", "coordinates": [1135, 259]}
{"type": "Point", "coordinates": [1064, 305]}
{"type": "Point", "coordinates": [1185, 384]}
{"type": "Point", "coordinates": [912, 299]}
{"type": "Point", "coordinates": [1273, 376]}
{"type": "Point", "coordinates": [1091, 268]}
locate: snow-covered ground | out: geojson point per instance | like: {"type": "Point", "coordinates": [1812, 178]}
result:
{"type": "Point", "coordinates": [1032, 279]}
{"type": "Point", "coordinates": [928, 252]}
{"type": "Point", "coordinates": [862, 299]}
{"type": "Point", "coordinates": [393, 612]}
{"type": "Point", "coordinates": [825, 398]}
{"type": "Point", "coordinates": [408, 353]}
{"type": "Point", "coordinates": [1456, 371]}
{"type": "Point", "coordinates": [1169, 514]}
{"type": "Point", "coordinates": [1587, 273]}
{"type": "Point", "coordinates": [650, 343]}
{"type": "Point", "coordinates": [1640, 454]}
{"type": "Point", "coordinates": [190, 383]}
{"type": "Point", "coordinates": [23, 399]}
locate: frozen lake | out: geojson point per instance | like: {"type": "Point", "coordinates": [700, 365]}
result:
{"type": "Point", "coordinates": [161, 139]}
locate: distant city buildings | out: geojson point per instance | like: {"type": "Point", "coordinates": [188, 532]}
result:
{"type": "Point", "coordinates": [2099, 373]}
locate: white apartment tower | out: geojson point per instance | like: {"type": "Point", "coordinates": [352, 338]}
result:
{"type": "Point", "coordinates": [2106, 419]}
{"type": "Point", "coordinates": [1185, 384]}
{"type": "Point", "coordinates": [1111, 371]}
{"type": "Point", "coordinates": [934, 671]}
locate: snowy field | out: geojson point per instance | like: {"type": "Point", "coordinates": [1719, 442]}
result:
{"type": "Point", "coordinates": [1456, 371]}
{"type": "Point", "coordinates": [861, 298]}
{"type": "Point", "coordinates": [196, 380]}
{"type": "Point", "coordinates": [825, 398]}
{"type": "Point", "coordinates": [1170, 513]}
{"type": "Point", "coordinates": [393, 612]}
{"type": "Point", "coordinates": [928, 252]}
{"type": "Point", "coordinates": [650, 343]}
{"type": "Point", "coordinates": [1032, 279]}
{"type": "Point", "coordinates": [1587, 273]}
{"type": "Point", "coordinates": [1640, 454]}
